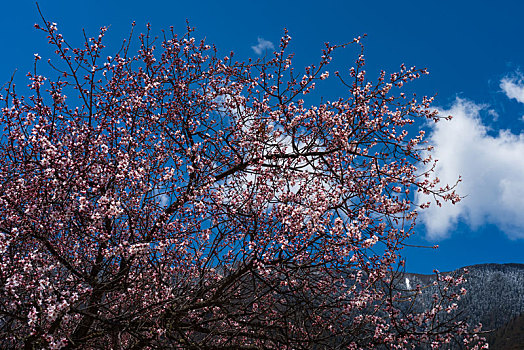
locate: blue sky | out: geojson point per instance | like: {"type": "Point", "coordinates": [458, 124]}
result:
{"type": "Point", "coordinates": [474, 51]}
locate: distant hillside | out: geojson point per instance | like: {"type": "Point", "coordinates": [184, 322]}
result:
{"type": "Point", "coordinates": [509, 337]}
{"type": "Point", "coordinates": [495, 294]}
{"type": "Point", "coordinates": [495, 298]}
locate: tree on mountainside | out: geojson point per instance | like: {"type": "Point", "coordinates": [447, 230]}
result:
{"type": "Point", "coordinates": [175, 199]}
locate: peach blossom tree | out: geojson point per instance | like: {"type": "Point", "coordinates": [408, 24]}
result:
{"type": "Point", "coordinates": [174, 198]}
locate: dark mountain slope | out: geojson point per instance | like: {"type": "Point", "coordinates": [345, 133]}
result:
{"type": "Point", "coordinates": [508, 337]}
{"type": "Point", "coordinates": [495, 293]}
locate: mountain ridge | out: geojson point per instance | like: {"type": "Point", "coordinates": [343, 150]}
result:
{"type": "Point", "coordinates": [494, 297]}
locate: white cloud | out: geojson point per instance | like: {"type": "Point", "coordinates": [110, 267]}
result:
{"type": "Point", "coordinates": [494, 114]}
{"type": "Point", "coordinates": [513, 88]}
{"type": "Point", "coordinates": [262, 46]}
{"type": "Point", "coordinates": [492, 169]}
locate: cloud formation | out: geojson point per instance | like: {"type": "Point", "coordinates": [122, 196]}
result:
{"type": "Point", "coordinates": [262, 46]}
{"type": "Point", "coordinates": [513, 88]}
{"type": "Point", "coordinates": [492, 169]}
